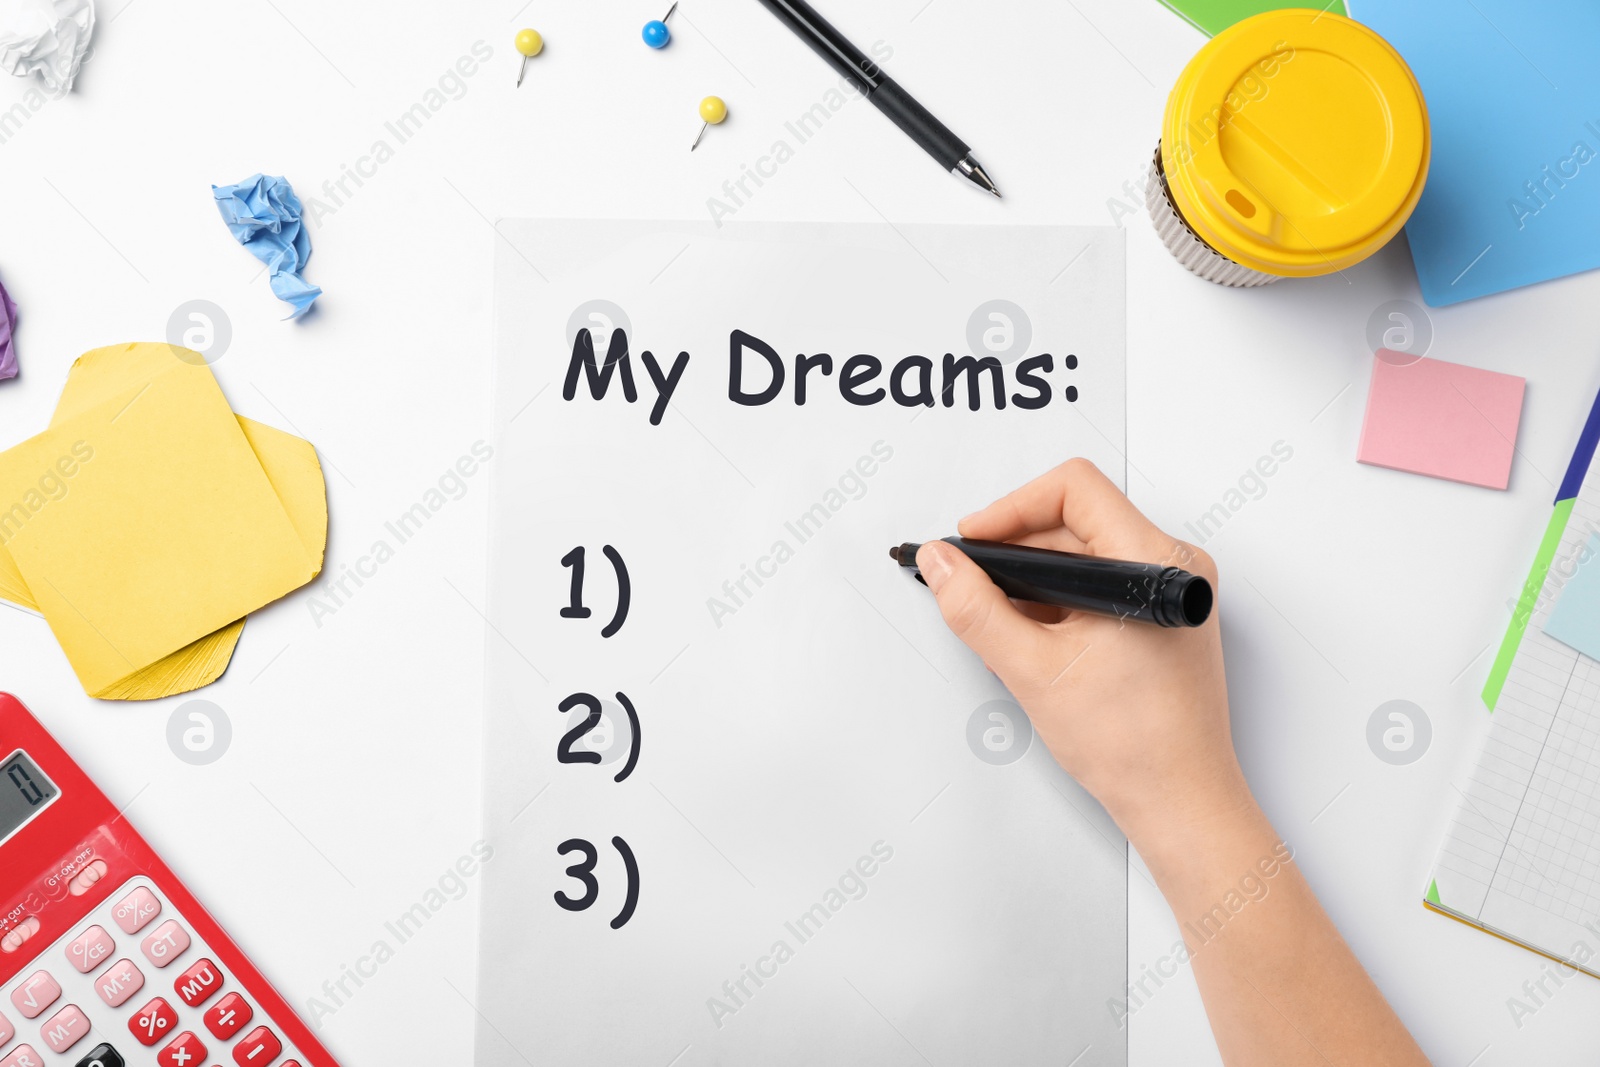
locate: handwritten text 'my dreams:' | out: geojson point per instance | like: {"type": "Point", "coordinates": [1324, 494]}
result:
{"type": "Point", "coordinates": [757, 375]}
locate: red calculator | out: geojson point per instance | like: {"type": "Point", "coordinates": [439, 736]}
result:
{"type": "Point", "coordinates": [106, 960]}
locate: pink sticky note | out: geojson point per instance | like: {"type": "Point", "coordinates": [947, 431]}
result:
{"type": "Point", "coordinates": [1441, 419]}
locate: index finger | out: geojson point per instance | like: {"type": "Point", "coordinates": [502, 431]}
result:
{"type": "Point", "coordinates": [1076, 496]}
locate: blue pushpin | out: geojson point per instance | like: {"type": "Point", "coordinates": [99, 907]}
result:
{"type": "Point", "coordinates": [656, 34]}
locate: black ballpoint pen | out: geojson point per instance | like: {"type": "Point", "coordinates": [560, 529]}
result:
{"type": "Point", "coordinates": [946, 148]}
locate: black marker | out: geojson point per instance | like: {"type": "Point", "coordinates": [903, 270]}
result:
{"type": "Point", "coordinates": [916, 121]}
{"type": "Point", "coordinates": [1148, 592]}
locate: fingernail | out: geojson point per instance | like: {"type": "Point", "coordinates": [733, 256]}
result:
{"type": "Point", "coordinates": [934, 563]}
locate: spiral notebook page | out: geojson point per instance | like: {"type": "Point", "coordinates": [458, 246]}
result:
{"type": "Point", "coordinates": [1522, 856]}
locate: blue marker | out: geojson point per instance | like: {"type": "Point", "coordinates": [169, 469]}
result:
{"type": "Point", "coordinates": [656, 34]}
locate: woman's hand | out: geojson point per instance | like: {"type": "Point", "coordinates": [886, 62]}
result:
{"type": "Point", "coordinates": [1137, 713]}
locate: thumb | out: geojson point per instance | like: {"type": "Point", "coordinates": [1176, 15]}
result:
{"type": "Point", "coordinates": [979, 613]}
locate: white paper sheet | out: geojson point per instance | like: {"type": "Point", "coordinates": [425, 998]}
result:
{"type": "Point", "coordinates": [849, 847]}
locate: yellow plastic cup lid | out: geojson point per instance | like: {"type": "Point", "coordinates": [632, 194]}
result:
{"type": "Point", "coordinates": [1296, 142]}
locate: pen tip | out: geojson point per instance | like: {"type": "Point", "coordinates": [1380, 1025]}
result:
{"type": "Point", "coordinates": [973, 171]}
{"type": "Point", "coordinates": [894, 553]}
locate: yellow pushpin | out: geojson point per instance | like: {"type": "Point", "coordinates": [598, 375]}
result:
{"type": "Point", "coordinates": [530, 44]}
{"type": "Point", "coordinates": [713, 111]}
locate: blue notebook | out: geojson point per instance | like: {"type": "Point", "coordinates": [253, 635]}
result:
{"type": "Point", "coordinates": [1513, 91]}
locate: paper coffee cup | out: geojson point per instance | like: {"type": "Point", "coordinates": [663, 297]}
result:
{"type": "Point", "coordinates": [1295, 143]}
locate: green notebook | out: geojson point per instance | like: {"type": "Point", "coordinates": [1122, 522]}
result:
{"type": "Point", "coordinates": [1211, 17]}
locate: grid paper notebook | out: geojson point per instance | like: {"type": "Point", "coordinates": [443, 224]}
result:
{"type": "Point", "coordinates": [1522, 856]}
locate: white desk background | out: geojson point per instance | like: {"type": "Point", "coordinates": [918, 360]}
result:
{"type": "Point", "coordinates": [352, 783]}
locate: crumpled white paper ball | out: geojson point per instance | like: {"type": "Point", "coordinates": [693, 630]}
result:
{"type": "Point", "coordinates": [45, 37]}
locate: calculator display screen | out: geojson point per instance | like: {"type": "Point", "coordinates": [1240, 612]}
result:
{"type": "Point", "coordinates": [24, 792]}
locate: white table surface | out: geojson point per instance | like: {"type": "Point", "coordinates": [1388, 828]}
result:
{"type": "Point", "coordinates": [352, 780]}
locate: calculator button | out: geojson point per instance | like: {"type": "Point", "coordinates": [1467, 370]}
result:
{"type": "Point", "coordinates": [7, 1031]}
{"type": "Point", "coordinates": [257, 1048]}
{"type": "Point", "coordinates": [166, 944]}
{"type": "Point", "coordinates": [23, 1057]}
{"type": "Point", "coordinates": [66, 1028]}
{"type": "Point", "coordinates": [136, 909]}
{"type": "Point", "coordinates": [102, 1056]}
{"type": "Point", "coordinates": [122, 981]}
{"type": "Point", "coordinates": [186, 1051]}
{"type": "Point", "coordinates": [35, 995]}
{"type": "Point", "coordinates": [228, 1016]}
{"type": "Point", "coordinates": [199, 983]}
{"type": "Point", "coordinates": [153, 1022]}
{"type": "Point", "coordinates": [90, 949]}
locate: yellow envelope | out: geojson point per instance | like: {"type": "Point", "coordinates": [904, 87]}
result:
{"type": "Point", "coordinates": [290, 465]}
{"type": "Point", "coordinates": [149, 520]}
